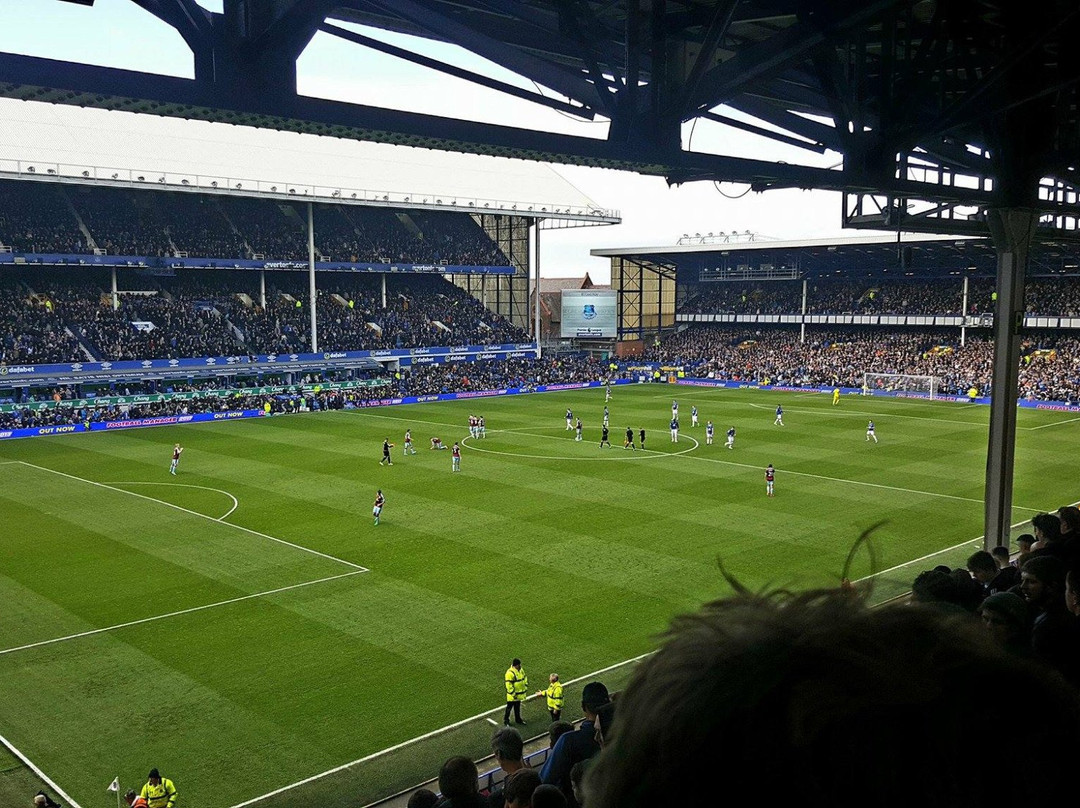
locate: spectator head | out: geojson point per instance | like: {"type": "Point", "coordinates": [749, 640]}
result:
{"type": "Point", "coordinates": [605, 720]}
{"type": "Point", "coordinates": [1069, 517]}
{"type": "Point", "coordinates": [577, 777]}
{"type": "Point", "coordinates": [457, 779]}
{"type": "Point", "coordinates": [933, 586]}
{"type": "Point", "coordinates": [1024, 542]}
{"type": "Point", "coordinates": [1005, 617]}
{"type": "Point", "coordinates": [593, 696]}
{"type": "Point", "coordinates": [548, 796]}
{"type": "Point", "coordinates": [1001, 556]}
{"type": "Point", "coordinates": [507, 746]}
{"type": "Point", "coordinates": [519, 788]}
{"type": "Point", "coordinates": [39, 799]}
{"type": "Point", "coordinates": [982, 566]}
{"type": "Point", "coordinates": [423, 798]}
{"type": "Point", "coordinates": [1042, 582]}
{"type": "Point", "coordinates": [517, 662]}
{"type": "Point", "coordinates": [1047, 527]}
{"type": "Point", "coordinates": [1072, 589]}
{"type": "Point", "coordinates": [155, 776]}
{"type": "Point", "coordinates": [557, 730]}
{"type": "Point", "coordinates": [814, 698]}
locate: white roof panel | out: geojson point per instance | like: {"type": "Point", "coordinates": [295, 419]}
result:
{"type": "Point", "coordinates": [111, 146]}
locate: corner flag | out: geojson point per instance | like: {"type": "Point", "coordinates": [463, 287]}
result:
{"type": "Point", "coordinates": [114, 785]}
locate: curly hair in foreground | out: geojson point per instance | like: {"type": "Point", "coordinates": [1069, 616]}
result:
{"type": "Point", "coordinates": [818, 699]}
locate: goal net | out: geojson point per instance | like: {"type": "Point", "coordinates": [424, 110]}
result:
{"type": "Point", "coordinates": [900, 383]}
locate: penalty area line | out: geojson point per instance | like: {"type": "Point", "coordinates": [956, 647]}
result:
{"type": "Point", "coordinates": [200, 515]}
{"type": "Point", "coordinates": [193, 609]}
{"type": "Point", "coordinates": [433, 734]}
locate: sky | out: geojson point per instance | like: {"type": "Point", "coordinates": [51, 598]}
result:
{"type": "Point", "coordinates": [117, 33]}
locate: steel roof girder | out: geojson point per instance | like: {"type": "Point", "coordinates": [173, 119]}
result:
{"type": "Point", "coordinates": [569, 83]}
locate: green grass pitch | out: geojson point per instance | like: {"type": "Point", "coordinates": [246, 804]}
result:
{"type": "Point", "coordinates": [242, 653]}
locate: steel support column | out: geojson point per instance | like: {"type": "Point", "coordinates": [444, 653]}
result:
{"type": "Point", "coordinates": [1012, 230]}
{"type": "Point", "coordinates": [383, 279]}
{"type": "Point", "coordinates": [802, 324]}
{"type": "Point", "coordinates": [262, 289]}
{"type": "Point", "coordinates": [536, 286]}
{"type": "Point", "coordinates": [964, 312]}
{"type": "Point", "coordinates": [115, 297]}
{"type": "Point", "coordinates": [311, 274]}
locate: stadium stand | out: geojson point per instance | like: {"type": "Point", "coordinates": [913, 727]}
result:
{"type": "Point", "coordinates": [217, 313]}
{"type": "Point", "coordinates": [1049, 369]}
{"type": "Point", "coordinates": [37, 218]}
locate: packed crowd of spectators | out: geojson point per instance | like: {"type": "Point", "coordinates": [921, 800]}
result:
{"type": "Point", "coordinates": [38, 218]}
{"type": "Point", "coordinates": [218, 313]}
{"type": "Point", "coordinates": [35, 218]}
{"type": "Point", "coordinates": [417, 381]}
{"type": "Point", "coordinates": [1049, 365]}
{"type": "Point", "coordinates": [30, 331]}
{"type": "Point", "coordinates": [938, 296]}
{"type": "Point", "coordinates": [1030, 604]}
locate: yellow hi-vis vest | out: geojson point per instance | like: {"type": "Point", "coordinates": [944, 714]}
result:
{"type": "Point", "coordinates": [163, 795]}
{"type": "Point", "coordinates": [517, 684]}
{"type": "Point", "coordinates": [554, 696]}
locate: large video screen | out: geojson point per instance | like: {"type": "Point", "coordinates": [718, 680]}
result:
{"type": "Point", "coordinates": [589, 313]}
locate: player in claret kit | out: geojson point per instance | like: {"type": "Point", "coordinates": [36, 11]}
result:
{"type": "Point", "coordinates": [408, 443]}
{"type": "Point", "coordinates": [472, 426]}
{"type": "Point", "coordinates": [770, 477]}
{"type": "Point", "coordinates": [577, 430]}
{"type": "Point", "coordinates": [569, 419]}
{"type": "Point", "coordinates": [176, 451]}
{"type": "Point", "coordinates": [481, 427]}
{"type": "Point", "coordinates": [376, 511]}
{"type": "Point", "coordinates": [456, 458]}
{"type": "Point", "coordinates": [436, 443]}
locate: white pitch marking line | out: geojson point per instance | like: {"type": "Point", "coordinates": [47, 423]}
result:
{"type": "Point", "coordinates": [1044, 426]}
{"type": "Point", "coordinates": [876, 414]}
{"type": "Point", "coordinates": [939, 552]}
{"type": "Point", "coordinates": [44, 777]}
{"type": "Point", "coordinates": [177, 614]}
{"type": "Point", "coordinates": [857, 482]}
{"type": "Point", "coordinates": [424, 737]}
{"type": "Point", "coordinates": [235, 503]}
{"type": "Point", "coordinates": [492, 721]}
{"type": "Point", "coordinates": [200, 515]}
{"type": "Point", "coordinates": [647, 454]}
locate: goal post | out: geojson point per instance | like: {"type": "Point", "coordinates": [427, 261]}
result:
{"type": "Point", "coordinates": [901, 383]}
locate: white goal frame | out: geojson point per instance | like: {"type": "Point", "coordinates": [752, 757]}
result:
{"type": "Point", "coordinates": [901, 383]}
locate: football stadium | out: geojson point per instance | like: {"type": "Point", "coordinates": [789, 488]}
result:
{"type": "Point", "coordinates": [322, 484]}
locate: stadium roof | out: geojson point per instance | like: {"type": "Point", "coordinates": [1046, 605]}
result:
{"type": "Point", "coordinates": [861, 256]}
{"type": "Point", "coordinates": [43, 141]}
